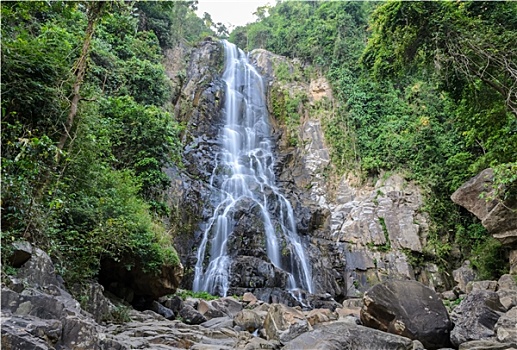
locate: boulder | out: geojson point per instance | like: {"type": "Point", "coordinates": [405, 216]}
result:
{"type": "Point", "coordinates": [248, 320]}
{"type": "Point", "coordinates": [347, 336]}
{"type": "Point", "coordinates": [410, 309]}
{"type": "Point", "coordinates": [507, 290]}
{"type": "Point", "coordinates": [500, 219]}
{"type": "Point", "coordinates": [320, 316]}
{"type": "Point", "coordinates": [206, 309]}
{"type": "Point", "coordinates": [284, 323]}
{"type": "Point", "coordinates": [476, 316]}
{"type": "Point", "coordinates": [162, 310]}
{"type": "Point", "coordinates": [191, 315]}
{"type": "Point", "coordinates": [506, 327]}
{"type": "Point", "coordinates": [463, 276]}
{"type": "Point", "coordinates": [483, 285]}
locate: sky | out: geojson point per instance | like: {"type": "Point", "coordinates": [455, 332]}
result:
{"type": "Point", "coordinates": [231, 13]}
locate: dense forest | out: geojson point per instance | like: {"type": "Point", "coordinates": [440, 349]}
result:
{"type": "Point", "coordinates": [427, 89]}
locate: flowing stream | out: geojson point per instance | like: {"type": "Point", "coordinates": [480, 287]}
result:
{"type": "Point", "coordinates": [244, 170]}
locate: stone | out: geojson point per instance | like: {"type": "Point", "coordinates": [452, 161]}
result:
{"type": "Point", "coordinates": [506, 327]}
{"type": "Point", "coordinates": [410, 309]}
{"type": "Point", "coordinates": [513, 261]}
{"type": "Point", "coordinates": [191, 316]}
{"type": "Point", "coordinates": [449, 295]}
{"type": "Point", "coordinates": [284, 323]}
{"type": "Point", "coordinates": [22, 252]}
{"type": "Point", "coordinates": [248, 320]}
{"type": "Point", "coordinates": [218, 323]}
{"type": "Point", "coordinates": [206, 309]}
{"type": "Point", "coordinates": [507, 281]}
{"type": "Point", "coordinates": [464, 275]}
{"type": "Point", "coordinates": [94, 300]}
{"type": "Point", "coordinates": [162, 310]}
{"type": "Point", "coordinates": [500, 219]}
{"type": "Point", "coordinates": [249, 298]}
{"type": "Point", "coordinates": [476, 316]}
{"type": "Point", "coordinates": [316, 316]}
{"type": "Point", "coordinates": [175, 304]}
{"type": "Point", "coordinates": [483, 285]}
{"type": "Point", "coordinates": [347, 336]}
{"type": "Point", "coordinates": [487, 344]}
{"type": "Point", "coordinates": [39, 271]}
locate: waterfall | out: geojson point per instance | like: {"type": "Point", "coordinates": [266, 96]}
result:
{"type": "Point", "coordinates": [244, 170]}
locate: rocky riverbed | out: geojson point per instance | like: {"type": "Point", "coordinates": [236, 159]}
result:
{"type": "Point", "coordinates": [39, 313]}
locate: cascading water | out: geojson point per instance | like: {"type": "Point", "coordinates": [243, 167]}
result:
{"type": "Point", "coordinates": [244, 170]}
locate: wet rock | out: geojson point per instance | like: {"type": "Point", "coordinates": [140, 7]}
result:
{"type": "Point", "coordinates": [476, 316]}
{"type": "Point", "coordinates": [252, 273]}
{"type": "Point", "coordinates": [347, 336]}
{"type": "Point", "coordinates": [284, 323]}
{"type": "Point", "coordinates": [407, 308]}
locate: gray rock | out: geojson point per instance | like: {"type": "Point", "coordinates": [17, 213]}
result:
{"type": "Point", "coordinates": [346, 336]}
{"type": "Point", "coordinates": [506, 327]}
{"type": "Point", "coordinates": [218, 323]}
{"type": "Point", "coordinates": [162, 310]}
{"type": "Point", "coordinates": [410, 309]}
{"type": "Point", "coordinates": [191, 316]}
{"type": "Point", "coordinates": [498, 218]}
{"type": "Point", "coordinates": [248, 320]}
{"type": "Point", "coordinates": [464, 275]}
{"type": "Point", "coordinates": [476, 316]}
{"type": "Point", "coordinates": [22, 252]}
{"type": "Point", "coordinates": [483, 285]}
{"type": "Point", "coordinates": [487, 344]}
{"type": "Point", "coordinates": [284, 323]}
{"type": "Point", "coordinates": [507, 282]}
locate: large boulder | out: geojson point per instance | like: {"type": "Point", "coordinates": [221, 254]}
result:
{"type": "Point", "coordinates": [476, 316]}
{"type": "Point", "coordinates": [284, 323]}
{"type": "Point", "coordinates": [347, 336]}
{"type": "Point", "coordinates": [410, 309]}
{"type": "Point", "coordinates": [506, 327]}
{"type": "Point", "coordinates": [500, 219]}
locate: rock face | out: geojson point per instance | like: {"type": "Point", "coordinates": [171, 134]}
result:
{"type": "Point", "coordinates": [500, 219]}
{"type": "Point", "coordinates": [410, 309]}
{"type": "Point", "coordinates": [38, 313]}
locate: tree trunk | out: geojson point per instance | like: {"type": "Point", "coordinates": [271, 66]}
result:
{"type": "Point", "coordinates": [94, 10]}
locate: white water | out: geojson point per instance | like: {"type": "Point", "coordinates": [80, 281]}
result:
{"type": "Point", "coordinates": [245, 170]}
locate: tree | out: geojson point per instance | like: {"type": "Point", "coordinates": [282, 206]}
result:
{"type": "Point", "coordinates": [94, 11]}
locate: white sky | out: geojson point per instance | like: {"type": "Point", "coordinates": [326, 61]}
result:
{"type": "Point", "coordinates": [231, 13]}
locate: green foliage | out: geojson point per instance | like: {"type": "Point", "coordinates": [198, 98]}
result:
{"type": "Point", "coordinates": [427, 90]}
{"type": "Point", "coordinates": [184, 294]}
{"type": "Point", "coordinates": [489, 258]}
{"type": "Point", "coordinates": [104, 197]}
